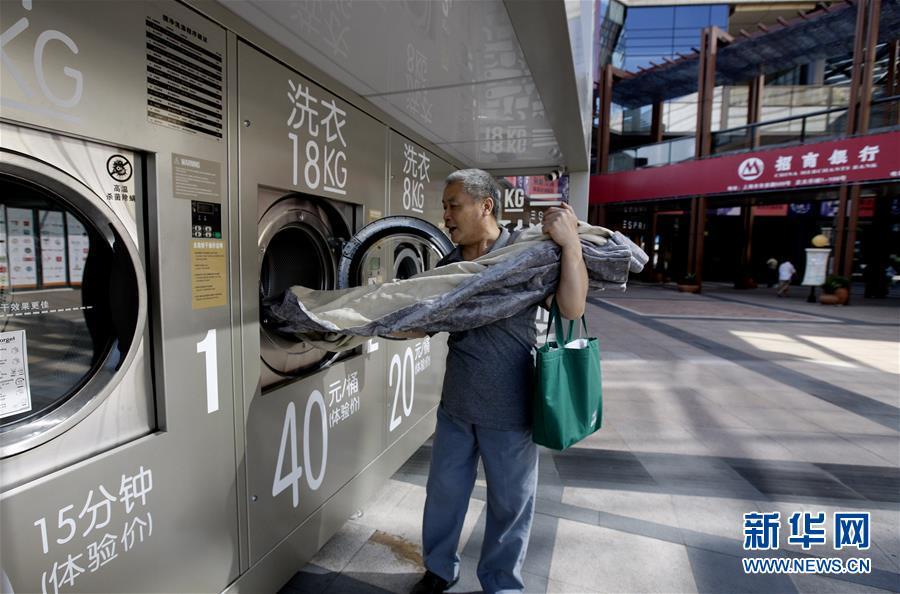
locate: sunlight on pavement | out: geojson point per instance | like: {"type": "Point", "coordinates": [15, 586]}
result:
{"type": "Point", "coordinates": [883, 355]}
{"type": "Point", "coordinates": [785, 345]}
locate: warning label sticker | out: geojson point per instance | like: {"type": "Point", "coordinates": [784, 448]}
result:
{"type": "Point", "coordinates": [196, 179]}
{"type": "Point", "coordinates": [209, 276]}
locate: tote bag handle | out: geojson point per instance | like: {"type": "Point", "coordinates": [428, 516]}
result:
{"type": "Point", "coordinates": [556, 320]}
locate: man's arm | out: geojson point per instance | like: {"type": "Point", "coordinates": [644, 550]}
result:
{"type": "Point", "coordinates": [571, 293]}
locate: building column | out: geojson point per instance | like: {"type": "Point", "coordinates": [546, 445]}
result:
{"type": "Point", "coordinates": [608, 76]}
{"type": "Point", "coordinates": [840, 229]}
{"type": "Point", "coordinates": [745, 275]}
{"type": "Point", "coordinates": [692, 234]}
{"type": "Point", "coordinates": [699, 239]}
{"type": "Point", "coordinates": [605, 92]}
{"type": "Point", "coordinates": [850, 246]}
{"type": "Point", "coordinates": [656, 123]}
{"type": "Point", "coordinates": [650, 246]}
{"type": "Point", "coordinates": [855, 78]}
{"type": "Point", "coordinates": [754, 106]}
{"type": "Point", "coordinates": [597, 214]}
{"type": "Point", "coordinates": [893, 79]}
{"type": "Point", "coordinates": [868, 13]}
{"type": "Point", "coordinates": [865, 97]}
{"type": "Point", "coordinates": [579, 193]}
{"type": "Point", "coordinates": [706, 83]}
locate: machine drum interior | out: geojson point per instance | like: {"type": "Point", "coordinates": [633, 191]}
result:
{"type": "Point", "coordinates": [295, 256]}
{"type": "Point", "coordinates": [406, 245]}
{"type": "Point", "coordinates": [295, 240]}
{"type": "Point", "coordinates": [408, 261]}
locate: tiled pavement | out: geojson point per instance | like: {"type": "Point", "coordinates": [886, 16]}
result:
{"type": "Point", "coordinates": [715, 405]}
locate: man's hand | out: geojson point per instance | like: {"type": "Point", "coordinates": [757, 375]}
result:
{"type": "Point", "coordinates": [562, 225]}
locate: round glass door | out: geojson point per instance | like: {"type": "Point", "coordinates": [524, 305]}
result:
{"type": "Point", "coordinates": [71, 303]}
{"type": "Point", "coordinates": [396, 246]}
{"type": "Point", "coordinates": [298, 243]}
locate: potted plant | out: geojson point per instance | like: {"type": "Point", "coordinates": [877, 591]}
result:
{"type": "Point", "coordinates": [688, 283]}
{"type": "Point", "coordinates": [835, 290]}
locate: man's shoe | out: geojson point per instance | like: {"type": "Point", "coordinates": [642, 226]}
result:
{"type": "Point", "coordinates": [432, 583]}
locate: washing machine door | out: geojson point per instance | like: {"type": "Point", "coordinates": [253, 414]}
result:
{"type": "Point", "coordinates": [399, 246]}
{"type": "Point", "coordinates": [300, 239]}
{"type": "Point", "coordinates": [72, 302]}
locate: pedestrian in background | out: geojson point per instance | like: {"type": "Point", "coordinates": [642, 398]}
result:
{"type": "Point", "coordinates": [772, 273]}
{"type": "Point", "coordinates": [786, 272]}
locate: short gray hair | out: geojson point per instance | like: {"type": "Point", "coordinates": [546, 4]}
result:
{"type": "Point", "coordinates": [478, 184]}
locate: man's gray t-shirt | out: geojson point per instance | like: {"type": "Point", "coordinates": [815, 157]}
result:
{"type": "Point", "coordinates": [489, 375]}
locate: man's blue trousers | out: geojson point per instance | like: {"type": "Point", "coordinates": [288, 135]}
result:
{"type": "Point", "coordinates": [510, 462]}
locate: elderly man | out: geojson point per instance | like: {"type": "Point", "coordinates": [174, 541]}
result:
{"type": "Point", "coordinates": [486, 401]}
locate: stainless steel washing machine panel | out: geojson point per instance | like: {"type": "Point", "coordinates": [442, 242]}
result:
{"type": "Point", "coordinates": [303, 138]}
{"type": "Point", "coordinates": [157, 456]}
{"type": "Point", "coordinates": [312, 169]}
{"type": "Point", "coordinates": [128, 73]}
{"type": "Point", "coordinates": [415, 367]}
{"type": "Point", "coordinates": [416, 180]}
{"type": "Point", "coordinates": [73, 301]}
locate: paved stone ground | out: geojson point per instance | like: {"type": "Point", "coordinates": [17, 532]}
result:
{"type": "Point", "coordinates": [715, 405]}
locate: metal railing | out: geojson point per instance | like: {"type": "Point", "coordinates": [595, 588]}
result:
{"type": "Point", "coordinates": [802, 128]}
{"type": "Point", "coordinates": [829, 122]}
{"type": "Point", "coordinates": [885, 114]}
{"type": "Point", "coordinates": [661, 153]}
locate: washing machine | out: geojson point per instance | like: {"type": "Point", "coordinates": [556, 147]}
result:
{"type": "Point", "coordinates": [415, 368]}
{"type": "Point", "coordinates": [313, 185]}
{"type": "Point", "coordinates": [300, 239]}
{"type": "Point", "coordinates": [307, 241]}
{"type": "Point", "coordinates": [393, 248]}
{"type": "Point", "coordinates": [75, 366]}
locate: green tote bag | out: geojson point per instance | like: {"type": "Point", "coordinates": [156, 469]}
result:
{"type": "Point", "coordinates": [568, 397]}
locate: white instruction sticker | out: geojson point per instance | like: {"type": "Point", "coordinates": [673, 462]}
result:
{"type": "Point", "coordinates": [15, 390]}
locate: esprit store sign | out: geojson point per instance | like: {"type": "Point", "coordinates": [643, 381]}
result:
{"type": "Point", "coordinates": [858, 159]}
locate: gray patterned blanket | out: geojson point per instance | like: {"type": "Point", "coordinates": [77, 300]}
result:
{"type": "Point", "coordinates": [454, 297]}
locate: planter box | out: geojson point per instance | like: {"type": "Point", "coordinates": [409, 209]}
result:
{"type": "Point", "coordinates": [840, 297]}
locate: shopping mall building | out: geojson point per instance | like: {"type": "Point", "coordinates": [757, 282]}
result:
{"type": "Point", "coordinates": [727, 135]}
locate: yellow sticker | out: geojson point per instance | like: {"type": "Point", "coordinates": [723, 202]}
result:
{"type": "Point", "coordinates": [209, 277]}
{"type": "Point", "coordinates": [374, 215]}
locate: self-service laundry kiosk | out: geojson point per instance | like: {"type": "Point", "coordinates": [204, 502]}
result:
{"type": "Point", "coordinates": [162, 174]}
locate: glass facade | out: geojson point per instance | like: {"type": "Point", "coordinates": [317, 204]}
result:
{"type": "Point", "coordinates": [610, 16]}
{"type": "Point", "coordinates": [805, 98]}
{"type": "Point", "coordinates": [804, 102]}
{"type": "Point", "coordinates": [658, 32]}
